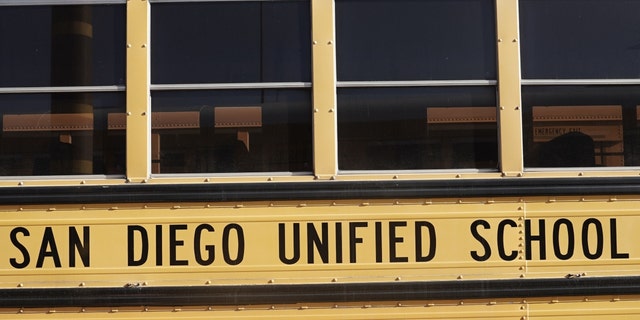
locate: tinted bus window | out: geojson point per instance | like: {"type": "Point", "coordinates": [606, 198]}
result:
{"type": "Point", "coordinates": [62, 45]}
{"type": "Point", "coordinates": [222, 131]}
{"type": "Point", "coordinates": [381, 40]}
{"type": "Point", "coordinates": [222, 42]}
{"type": "Point", "coordinates": [42, 135]}
{"type": "Point", "coordinates": [581, 126]}
{"type": "Point", "coordinates": [417, 128]}
{"type": "Point", "coordinates": [578, 39]}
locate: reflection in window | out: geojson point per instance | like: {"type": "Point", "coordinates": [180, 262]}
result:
{"type": "Point", "coordinates": [38, 138]}
{"type": "Point", "coordinates": [384, 40]}
{"type": "Point", "coordinates": [231, 131]}
{"type": "Point", "coordinates": [581, 126]}
{"type": "Point", "coordinates": [62, 45]}
{"type": "Point", "coordinates": [580, 39]}
{"type": "Point", "coordinates": [417, 128]}
{"type": "Point", "coordinates": [231, 42]}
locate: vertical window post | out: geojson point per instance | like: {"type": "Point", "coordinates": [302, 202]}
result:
{"type": "Point", "coordinates": [324, 89]}
{"type": "Point", "coordinates": [509, 100]}
{"type": "Point", "coordinates": [138, 104]}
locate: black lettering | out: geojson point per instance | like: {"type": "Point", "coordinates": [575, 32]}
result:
{"type": "Point", "coordinates": [353, 239]}
{"type": "Point", "coordinates": [159, 245]}
{"type": "Point", "coordinates": [25, 253]}
{"type": "Point", "coordinates": [528, 238]}
{"type": "Point", "coordinates": [82, 247]}
{"type": "Point", "coordinates": [501, 250]}
{"type": "Point", "coordinates": [614, 242]}
{"type": "Point", "coordinates": [483, 241]}
{"type": "Point", "coordinates": [282, 243]}
{"type": "Point", "coordinates": [338, 242]}
{"type": "Point", "coordinates": [599, 239]}
{"type": "Point", "coordinates": [210, 249]}
{"type": "Point", "coordinates": [48, 248]}
{"type": "Point", "coordinates": [174, 243]}
{"type": "Point", "coordinates": [378, 227]}
{"type": "Point", "coordinates": [570, 239]}
{"type": "Point", "coordinates": [393, 240]}
{"type": "Point", "coordinates": [432, 241]}
{"type": "Point", "coordinates": [131, 260]}
{"type": "Point", "coordinates": [240, 240]}
{"type": "Point", "coordinates": [313, 240]}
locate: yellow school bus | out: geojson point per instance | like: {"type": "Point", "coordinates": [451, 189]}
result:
{"type": "Point", "coordinates": [321, 159]}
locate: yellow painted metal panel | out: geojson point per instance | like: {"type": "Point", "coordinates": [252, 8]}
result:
{"type": "Point", "coordinates": [509, 101]}
{"type": "Point", "coordinates": [360, 243]}
{"type": "Point", "coordinates": [318, 242]}
{"type": "Point", "coordinates": [325, 149]}
{"type": "Point", "coordinates": [411, 311]}
{"type": "Point", "coordinates": [137, 96]}
{"type": "Point", "coordinates": [589, 310]}
{"type": "Point", "coordinates": [589, 237]}
{"type": "Point", "coordinates": [583, 308]}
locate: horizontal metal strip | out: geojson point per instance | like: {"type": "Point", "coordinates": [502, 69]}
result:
{"type": "Point", "coordinates": [319, 190]}
{"type": "Point", "coordinates": [214, 295]}
{"type": "Point", "coordinates": [571, 82]}
{"type": "Point", "coordinates": [61, 89]}
{"type": "Point", "coordinates": [57, 2]}
{"type": "Point", "coordinates": [230, 86]}
{"type": "Point", "coordinates": [418, 83]}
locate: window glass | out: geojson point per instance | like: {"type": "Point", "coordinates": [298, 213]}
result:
{"type": "Point", "coordinates": [62, 134]}
{"type": "Point", "coordinates": [380, 40]}
{"type": "Point", "coordinates": [222, 131]}
{"type": "Point", "coordinates": [580, 39]}
{"type": "Point", "coordinates": [417, 128]}
{"type": "Point", "coordinates": [76, 45]}
{"type": "Point", "coordinates": [581, 126]}
{"type": "Point", "coordinates": [221, 42]}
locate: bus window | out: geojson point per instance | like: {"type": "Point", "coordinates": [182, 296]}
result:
{"type": "Point", "coordinates": [61, 72]}
{"type": "Point", "coordinates": [231, 42]}
{"type": "Point", "coordinates": [398, 40]}
{"type": "Point", "coordinates": [35, 140]}
{"type": "Point", "coordinates": [580, 39]}
{"type": "Point", "coordinates": [580, 69]}
{"type": "Point", "coordinates": [417, 128]}
{"type": "Point", "coordinates": [400, 63]}
{"type": "Point", "coordinates": [65, 45]}
{"type": "Point", "coordinates": [232, 131]}
{"type": "Point", "coordinates": [262, 47]}
{"type": "Point", "coordinates": [580, 126]}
